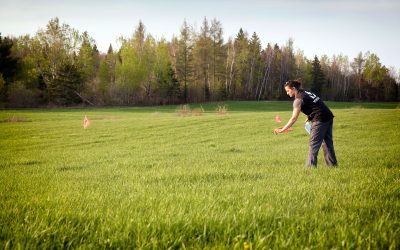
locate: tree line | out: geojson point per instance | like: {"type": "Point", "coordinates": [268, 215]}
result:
{"type": "Point", "coordinates": [61, 66]}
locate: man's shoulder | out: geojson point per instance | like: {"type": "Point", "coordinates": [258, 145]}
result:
{"type": "Point", "coordinates": [297, 101]}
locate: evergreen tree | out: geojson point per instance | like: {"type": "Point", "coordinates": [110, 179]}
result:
{"type": "Point", "coordinates": [276, 73]}
{"type": "Point", "coordinates": [87, 57]}
{"type": "Point", "coordinates": [184, 59]}
{"type": "Point", "coordinates": [255, 72]}
{"type": "Point", "coordinates": [68, 84]}
{"type": "Point", "coordinates": [319, 81]}
{"type": "Point", "coordinates": [169, 86]}
{"type": "Point", "coordinates": [9, 65]}
{"type": "Point", "coordinates": [242, 64]}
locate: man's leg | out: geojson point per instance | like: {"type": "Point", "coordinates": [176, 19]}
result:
{"type": "Point", "coordinates": [327, 147]}
{"type": "Point", "coordinates": [318, 131]}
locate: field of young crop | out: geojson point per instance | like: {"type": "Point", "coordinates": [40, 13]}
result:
{"type": "Point", "coordinates": [169, 177]}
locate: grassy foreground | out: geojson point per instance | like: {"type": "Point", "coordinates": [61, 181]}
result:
{"type": "Point", "coordinates": [150, 178]}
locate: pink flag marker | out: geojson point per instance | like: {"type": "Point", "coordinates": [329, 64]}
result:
{"type": "Point", "coordinates": [277, 118]}
{"type": "Point", "coordinates": [86, 122]}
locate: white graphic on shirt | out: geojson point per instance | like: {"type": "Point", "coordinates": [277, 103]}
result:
{"type": "Point", "coordinates": [312, 96]}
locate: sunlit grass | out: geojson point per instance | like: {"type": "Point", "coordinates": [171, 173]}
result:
{"type": "Point", "coordinates": [149, 178]}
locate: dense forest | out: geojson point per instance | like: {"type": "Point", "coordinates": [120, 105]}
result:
{"type": "Point", "coordinates": [61, 66]}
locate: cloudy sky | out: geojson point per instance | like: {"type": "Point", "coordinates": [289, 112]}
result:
{"type": "Point", "coordinates": [317, 26]}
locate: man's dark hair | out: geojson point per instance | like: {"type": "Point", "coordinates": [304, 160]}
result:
{"type": "Point", "coordinates": [293, 84]}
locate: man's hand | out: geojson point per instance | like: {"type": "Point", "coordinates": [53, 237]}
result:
{"type": "Point", "coordinates": [280, 130]}
{"type": "Point", "coordinates": [277, 131]}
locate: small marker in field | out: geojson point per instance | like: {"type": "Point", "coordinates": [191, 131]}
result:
{"type": "Point", "coordinates": [278, 119]}
{"type": "Point", "coordinates": [86, 122]}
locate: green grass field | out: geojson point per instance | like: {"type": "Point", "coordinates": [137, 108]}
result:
{"type": "Point", "coordinates": [150, 178]}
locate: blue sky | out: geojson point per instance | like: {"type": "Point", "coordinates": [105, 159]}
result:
{"type": "Point", "coordinates": [317, 27]}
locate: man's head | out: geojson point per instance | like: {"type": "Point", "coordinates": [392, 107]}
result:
{"type": "Point", "coordinates": [291, 87]}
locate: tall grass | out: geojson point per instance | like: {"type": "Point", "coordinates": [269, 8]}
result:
{"type": "Point", "coordinates": [147, 178]}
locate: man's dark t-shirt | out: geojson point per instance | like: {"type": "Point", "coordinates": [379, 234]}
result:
{"type": "Point", "coordinates": [314, 107]}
